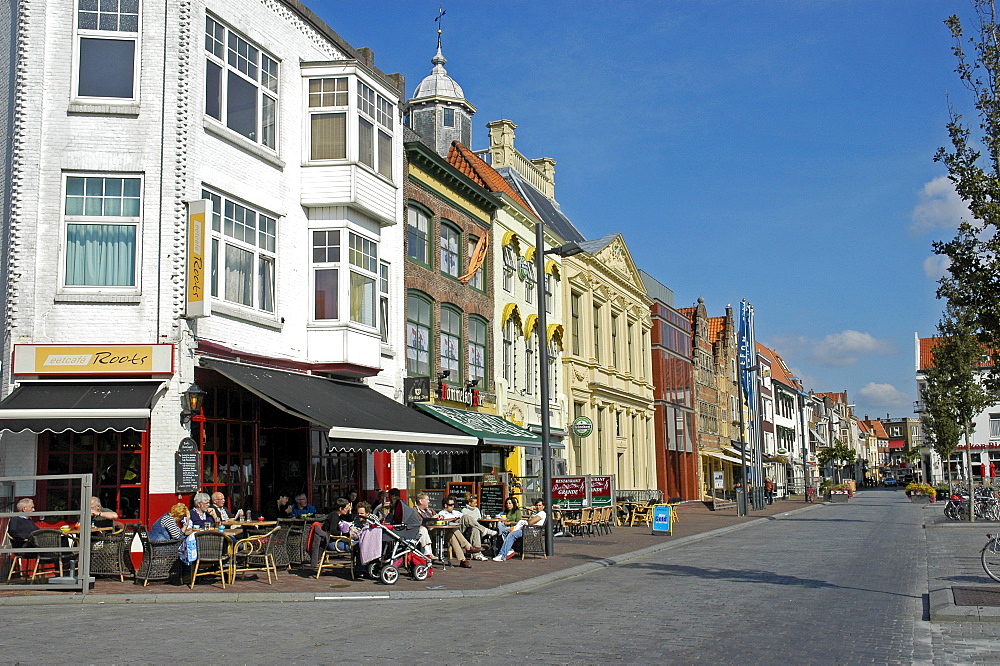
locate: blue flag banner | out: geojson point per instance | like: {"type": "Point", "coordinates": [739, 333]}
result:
{"type": "Point", "coordinates": [747, 354]}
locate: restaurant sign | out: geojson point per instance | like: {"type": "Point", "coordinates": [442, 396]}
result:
{"type": "Point", "coordinates": [186, 477]}
{"type": "Point", "coordinates": [197, 300]}
{"type": "Point", "coordinates": [94, 359]}
{"type": "Point", "coordinates": [601, 490]}
{"type": "Point", "coordinates": [569, 492]}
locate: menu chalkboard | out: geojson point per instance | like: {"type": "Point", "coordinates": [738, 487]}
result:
{"type": "Point", "coordinates": [459, 490]}
{"type": "Point", "coordinates": [491, 497]}
{"type": "Point", "coordinates": [186, 477]}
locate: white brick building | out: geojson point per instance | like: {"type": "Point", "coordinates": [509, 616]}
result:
{"type": "Point", "coordinates": [124, 112]}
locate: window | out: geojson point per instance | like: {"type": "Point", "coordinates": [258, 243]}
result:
{"type": "Point", "coordinates": [326, 259]}
{"type": "Point", "coordinates": [549, 281]}
{"type": "Point", "coordinates": [241, 84]}
{"type": "Point", "coordinates": [108, 36]}
{"type": "Point", "coordinates": [418, 335]}
{"type": "Point", "coordinates": [383, 303]}
{"type": "Point", "coordinates": [363, 256]}
{"type": "Point", "coordinates": [327, 126]}
{"type": "Point", "coordinates": [102, 216]}
{"type": "Point", "coordinates": [448, 117]}
{"type": "Point", "coordinates": [244, 245]}
{"type": "Point", "coordinates": [477, 282]}
{"type": "Point", "coordinates": [597, 333]}
{"type": "Point", "coordinates": [994, 426]}
{"type": "Point", "coordinates": [574, 329]}
{"type": "Point", "coordinates": [375, 144]}
{"type": "Point", "coordinates": [449, 250]}
{"type": "Point", "coordinates": [509, 360]}
{"type": "Point", "coordinates": [417, 246]}
{"type": "Point", "coordinates": [555, 348]}
{"type": "Point", "coordinates": [477, 351]}
{"type": "Point", "coordinates": [614, 340]}
{"type": "Point", "coordinates": [530, 366]}
{"type": "Point", "coordinates": [509, 266]}
{"type": "Point", "coordinates": [628, 342]}
{"type": "Point", "coordinates": [530, 279]}
{"type": "Point", "coordinates": [451, 343]}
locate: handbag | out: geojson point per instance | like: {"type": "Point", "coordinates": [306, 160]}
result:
{"type": "Point", "coordinates": [188, 549]}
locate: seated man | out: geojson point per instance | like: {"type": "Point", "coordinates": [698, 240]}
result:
{"type": "Point", "coordinates": [218, 508]}
{"type": "Point", "coordinates": [517, 530]}
{"type": "Point", "coordinates": [424, 513]}
{"type": "Point", "coordinates": [20, 527]}
{"type": "Point", "coordinates": [336, 524]}
{"type": "Point", "coordinates": [99, 516]}
{"type": "Point", "coordinates": [457, 541]}
{"type": "Point", "coordinates": [302, 506]}
{"type": "Point", "coordinates": [470, 526]}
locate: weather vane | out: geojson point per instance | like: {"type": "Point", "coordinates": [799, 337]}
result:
{"type": "Point", "coordinates": [441, 13]}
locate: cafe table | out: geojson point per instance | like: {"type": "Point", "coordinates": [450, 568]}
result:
{"type": "Point", "coordinates": [441, 534]}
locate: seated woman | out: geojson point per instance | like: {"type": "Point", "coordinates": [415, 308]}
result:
{"type": "Point", "coordinates": [279, 508]}
{"type": "Point", "coordinates": [511, 514]}
{"type": "Point", "coordinates": [338, 523]}
{"type": "Point", "coordinates": [166, 528]}
{"type": "Point", "coordinates": [517, 530]}
{"type": "Point", "coordinates": [201, 517]}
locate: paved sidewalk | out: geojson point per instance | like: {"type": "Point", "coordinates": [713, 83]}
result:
{"type": "Point", "coordinates": [953, 549]}
{"type": "Point", "coordinates": [573, 556]}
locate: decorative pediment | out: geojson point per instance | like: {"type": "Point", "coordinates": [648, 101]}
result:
{"type": "Point", "coordinates": [617, 257]}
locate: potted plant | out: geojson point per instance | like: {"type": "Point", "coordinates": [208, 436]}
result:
{"type": "Point", "coordinates": [921, 492]}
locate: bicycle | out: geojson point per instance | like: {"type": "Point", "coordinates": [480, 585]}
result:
{"type": "Point", "coordinates": [990, 557]}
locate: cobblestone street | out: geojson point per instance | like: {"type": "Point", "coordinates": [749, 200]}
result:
{"type": "Point", "coordinates": [832, 584]}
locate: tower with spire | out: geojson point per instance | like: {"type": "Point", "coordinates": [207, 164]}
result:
{"type": "Point", "coordinates": [438, 110]}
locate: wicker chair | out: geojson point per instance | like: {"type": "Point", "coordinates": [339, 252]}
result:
{"type": "Point", "coordinates": [533, 541]}
{"type": "Point", "coordinates": [160, 559]}
{"type": "Point", "coordinates": [49, 539]}
{"type": "Point", "coordinates": [110, 554]}
{"type": "Point", "coordinates": [280, 549]}
{"type": "Point", "coordinates": [254, 553]}
{"type": "Point", "coordinates": [213, 549]}
{"type": "Point", "coordinates": [296, 539]}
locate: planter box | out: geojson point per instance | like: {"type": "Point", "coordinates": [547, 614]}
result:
{"type": "Point", "coordinates": [920, 499]}
{"type": "Point", "coordinates": [838, 496]}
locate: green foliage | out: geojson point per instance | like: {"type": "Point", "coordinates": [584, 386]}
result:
{"type": "Point", "coordinates": [839, 451]}
{"type": "Point", "coordinates": [973, 162]}
{"type": "Point", "coordinates": [921, 489]}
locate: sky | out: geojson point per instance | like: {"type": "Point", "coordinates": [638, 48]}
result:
{"type": "Point", "coordinates": [777, 151]}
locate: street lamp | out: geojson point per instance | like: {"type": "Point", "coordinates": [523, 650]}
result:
{"type": "Point", "coordinates": [566, 250]}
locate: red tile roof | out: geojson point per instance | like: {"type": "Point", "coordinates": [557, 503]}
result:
{"type": "Point", "coordinates": [688, 312]}
{"type": "Point", "coordinates": [478, 170]}
{"type": "Point", "coordinates": [835, 397]}
{"type": "Point", "coordinates": [877, 428]}
{"type": "Point", "coordinates": [862, 427]}
{"type": "Point", "coordinates": [926, 352]}
{"type": "Point", "coordinates": [715, 327]}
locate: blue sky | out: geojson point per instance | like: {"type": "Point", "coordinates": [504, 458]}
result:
{"type": "Point", "coordinates": [776, 151]}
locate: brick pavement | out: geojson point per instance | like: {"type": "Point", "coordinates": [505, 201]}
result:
{"type": "Point", "coordinates": [694, 519]}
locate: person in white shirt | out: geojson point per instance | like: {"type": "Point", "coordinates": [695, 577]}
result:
{"type": "Point", "coordinates": [470, 526]}
{"type": "Point", "coordinates": [517, 530]}
{"type": "Point", "coordinates": [457, 540]}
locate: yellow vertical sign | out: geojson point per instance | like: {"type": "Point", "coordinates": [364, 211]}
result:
{"type": "Point", "coordinates": [197, 297]}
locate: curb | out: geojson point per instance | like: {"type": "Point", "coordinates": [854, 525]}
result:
{"type": "Point", "coordinates": [943, 609]}
{"type": "Point", "coordinates": [519, 587]}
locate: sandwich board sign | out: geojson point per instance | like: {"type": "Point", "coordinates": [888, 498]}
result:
{"type": "Point", "coordinates": [662, 519]}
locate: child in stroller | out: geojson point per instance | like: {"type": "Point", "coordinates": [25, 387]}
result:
{"type": "Point", "coordinates": [387, 548]}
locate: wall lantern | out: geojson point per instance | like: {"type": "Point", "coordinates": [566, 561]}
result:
{"type": "Point", "coordinates": [193, 399]}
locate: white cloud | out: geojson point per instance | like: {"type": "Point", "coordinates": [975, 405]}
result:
{"type": "Point", "coordinates": [846, 348]}
{"type": "Point", "coordinates": [939, 207]}
{"type": "Point", "coordinates": [936, 266]}
{"type": "Point", "coordinates": [884, 395]}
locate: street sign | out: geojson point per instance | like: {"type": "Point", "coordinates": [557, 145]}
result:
{"type": "Point", "coordinates": [582, 426]}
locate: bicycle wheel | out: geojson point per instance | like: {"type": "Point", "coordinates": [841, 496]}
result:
{"type": "Point", "coordinates": [951, 511]}
{"type": "Point", "coordinates": [990, 558]}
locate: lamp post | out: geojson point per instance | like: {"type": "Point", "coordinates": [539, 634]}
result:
{"type": "Point", "coordinates": [567, 250]}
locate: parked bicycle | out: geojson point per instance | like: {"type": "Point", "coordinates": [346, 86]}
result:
{"type": "Point", "coordinates": [987, 505]}
{"type": "Point", "coordinates": [990, 556]}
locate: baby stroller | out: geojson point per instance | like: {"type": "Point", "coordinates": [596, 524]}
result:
{"type": "Point", "coordinates": [386, 550]}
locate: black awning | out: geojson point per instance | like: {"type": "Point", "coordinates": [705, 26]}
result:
{"type": "Point", "coordinates": [357, 416]}
{"type": "Point", "coordinates": [78, 406]}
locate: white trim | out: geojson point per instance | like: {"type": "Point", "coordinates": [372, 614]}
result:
{"type": "Point", "coordinates": [73, 414]}
{"type": "Point", "coordinates": [401, 436]}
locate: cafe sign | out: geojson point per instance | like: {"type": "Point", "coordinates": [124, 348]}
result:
{"type": "Point", "coordinates": [94, 359]}
{"type": "Point", "coordinates": [196, 298]}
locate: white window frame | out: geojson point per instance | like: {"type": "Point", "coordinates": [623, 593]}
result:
{"type": "Point", "coordinates": [221, 240]}
{"type": "Point", "coordinates": [79, 34]}
{"type": "Point", "coordinates": [265, 78]}
{"type": "Point", "coordinates": [380, 113]}
{"type": "Point", "coordinates": [129, 221]}
{"type": "Point", "coordinates": [509, 267]}
{"type": "Point", "coordinates": [384, 317]}
{"type": "Point", "coordinates": [328, 264]}
{"type": "Point", "coordinates": [339, 105]}
{"type": "Point", "coordinates": [994, 426]}
{"type": "Point", "coordinates": [362, 263]}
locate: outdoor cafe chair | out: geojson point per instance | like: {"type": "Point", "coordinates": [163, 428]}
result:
{"type": "Point", "coordinates": [213, 549]}
{"type": "Point", "coordinates": [337, 559]}
{"type": "Point", "coordinates": [46, 538]}
{"type": "Point", "coordinates": [643, 514]}
{"type": "Point", "coordinates": [296, 539]}
{"type": "Point", "coordinates": [533, 541]}
{"type": "Point", "coordinates": [254, 553]}
{"type": "Point", "coordinates": [160, 559]}
{"type": "Point", "coordinates": [280, 548]}
{"type": "Point", "coordinates": [111, 554]}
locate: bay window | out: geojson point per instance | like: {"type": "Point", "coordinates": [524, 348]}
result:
{"type": "Point", "coordinates": [326, 285]}
{"type": "Point", "coordinates": [328, 118]}
{"type": "Point", "coordinates": [375, 126]}
{"type": "Point", "coordinates": [363, 257]}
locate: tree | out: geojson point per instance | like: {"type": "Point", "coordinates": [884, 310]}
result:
{"type": "Point", "coordinates": [838, 453]}
{"type": "Point", "coordinates": [973, 162]}
{"type": "Point", "coordinates": [954, 393]}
